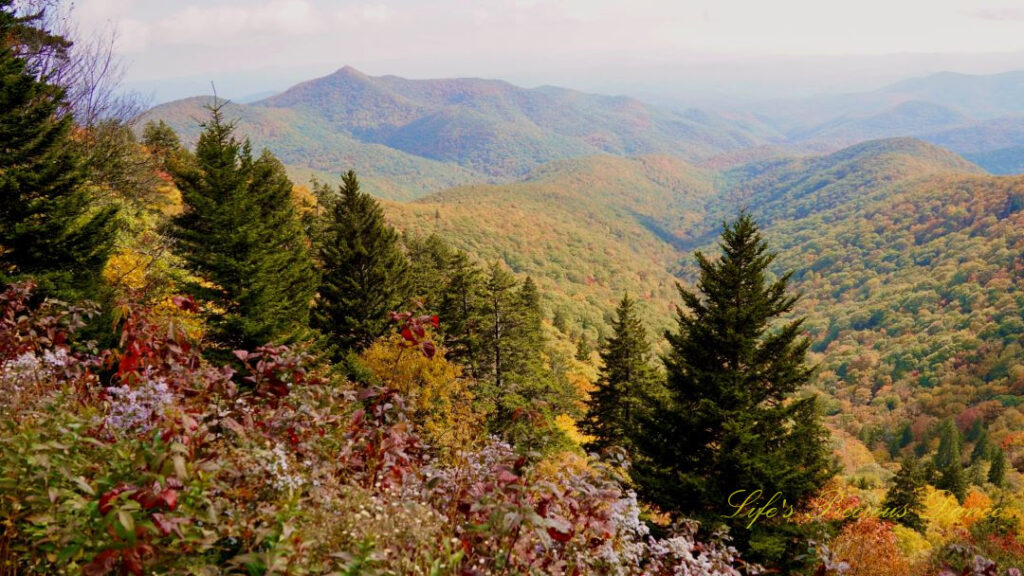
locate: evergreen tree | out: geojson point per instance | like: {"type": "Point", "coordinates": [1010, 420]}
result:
{"type": "Point", "coordinates": [997, 471]}
{"type": "Point", "coordinates": [363, 268]}
{"type": "Point", "coordinates": [462, 313]}
{"type": "Point", "coordinates": [904, 498]}
{"type": "Point", "coordinates": [948, 463]}
{"type": "Point", "coordinates": [430, 261]}
{"type": "Point", "coordinates": [448, 283]}
{"type": "Point", "coordinates": [161, 140]}
{"type": "Point", "coordinates": [732, 422]}
{"type": "Point", "coordinates": [241, 234]}
{"type": "Point", "coordinates": [515, 372]}
{"type": "Point", "coordinates": [625, 385]}
{"type": "Point", "coordinates": [526, 342]}
{"type": "Point", "coordinates": [974, 432]}
{"type": "Point", "coordinates": [583, 348]}
{"type": "Point", "coordinates": [51, 228]}
{"type": "Point", "coordinates": [982, 447]}
{"type": "Point", "coordinates": [501, 312]}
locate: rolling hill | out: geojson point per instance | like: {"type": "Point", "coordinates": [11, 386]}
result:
{"type": "Point", "coordinates": [309, 148]}
{"type": "Point", "coordinates": [911, 263]}
{"type": "Point", "coordinates": [408, 138]}
{"type": "Point", "coordinates": [586, 230]}
{"type": "Point", "coordinates": [976, 115]}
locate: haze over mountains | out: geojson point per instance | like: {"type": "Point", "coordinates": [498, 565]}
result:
{"type": "Point", "coordinates": [409, 138]}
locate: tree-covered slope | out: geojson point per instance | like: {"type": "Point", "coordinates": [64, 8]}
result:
{"type": "Point", "coordinates": [409, 138]}
{"type": "Point", "coordinates": [586, 230]}
{"type": "Point", "coordinates": [911, 264]}
{"type": "Point", "coordinates": [311, 148]}
{"type": "Point", "coordinates": [910, 259]}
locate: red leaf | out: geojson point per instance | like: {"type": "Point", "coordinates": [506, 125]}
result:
{"type": "Point", "coordinates": [170, 498]}
{"type": "Point", "coordinates": [241, 355]}
{"type": "Point", "coordinates": [559, 536]}
{"type": "Point", "coordinates": [131, 558]}
{"type": "Point", "coordinates": [185, 303]}
{"type": "Point", "coordinates": [147, 499]}
{"type": "Point", "coordinates": [102, 564]}
{"type": "Point", "coordinates": [107, 497]}
{"type": "Point", "coordinates": [162, 524]}
{"type": "Point", "coordinates": [428, 349]}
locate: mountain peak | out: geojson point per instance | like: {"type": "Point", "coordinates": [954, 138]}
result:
{"type": "Point", "coordinates": [349, 71]}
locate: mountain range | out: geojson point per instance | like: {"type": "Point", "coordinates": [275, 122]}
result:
{"type": "Point", "coordinates": [408, 138]}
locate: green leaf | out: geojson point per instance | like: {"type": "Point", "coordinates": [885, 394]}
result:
{"type": "Point", "coordinates": [126, 520]}
{"type": "Point", "coordinates": [84, 486]}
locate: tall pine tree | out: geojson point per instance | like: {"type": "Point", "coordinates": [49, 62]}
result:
{"type": "Point", "coordinates": [462, 312]}
{"type": "Point", "coordinates": [904, 498]}
{"type": "Point", "coordinates": [241, 234]}
{"type": "Point", "coordinates": [363, 269]}
{"type": "Point", "coordinates": [733, 421]}
{"type": "Point", "coordinates": [997, 471]}
{"type": "Point", "coordinates": [948, 461]}
{"type": "Point", "coordinates": [51, 228]}
{"type": "Point", "coordinates": [501, 309]}
{"type": "Point", "coordinates": [626, 385]}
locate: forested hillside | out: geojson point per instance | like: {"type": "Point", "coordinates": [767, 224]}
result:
{"type": "Point", "coordinates": [412, 137]}
{"type": "Point", "coordinates": [586, 230]}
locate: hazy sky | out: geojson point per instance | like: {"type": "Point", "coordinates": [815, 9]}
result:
{"type": "Point", "coordinates": [177, 47]}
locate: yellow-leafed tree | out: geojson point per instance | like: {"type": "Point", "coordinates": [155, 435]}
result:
{"type": "Point", "coordinates": [439, 395]}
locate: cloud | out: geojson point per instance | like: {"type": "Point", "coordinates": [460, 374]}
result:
{"type": "Point", "coordinates": [999, 14]}
{"type": "Point", "coordinates": [379, 13]}
{"type": "Point", "coordinates": [218, 25]}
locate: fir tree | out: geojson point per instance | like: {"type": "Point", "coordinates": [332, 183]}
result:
{"type": "Point", "coordinates": [732, 422]}
{"type": "Point", "coordinates": [515, 372]}
{"type": "Point", "coordinates": [974, 432]}
{"type": "Point", "coordinates": [583, 348]}
{"type": "Point", "coordinates": [51, 228]}
{"type": "Point", "coordinates": [904, 498]}
{"type": "Point", "coordinates": [625, 385]}
{"type": "Point", "coordinates": [524, 355]}
{"type": "Point", "coordinates": [982, 447]}
{"type": "Point", "coordinates": [997, 471]}
{"type": "Point", "coordinates": [161, 140]}
{"type": "Point", "coordinates": [462, 312]}
{"type": "Point", "coordinates": [501, 312]}
{"type": "Point", "coordinates": [241, 234]}
{"type": "Point", "coordinates": [430, 261]}
{"type": "Point", "coordinates": [363, 268]}
{"type": "Point", "coordinates": [948, 462]}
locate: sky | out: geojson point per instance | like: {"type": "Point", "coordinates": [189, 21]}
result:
{"type": "Point", "coordinates": [663, 48]}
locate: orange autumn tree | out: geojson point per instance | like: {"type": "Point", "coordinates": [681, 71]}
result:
{"type": "Point", "coordinates": [871, 548]}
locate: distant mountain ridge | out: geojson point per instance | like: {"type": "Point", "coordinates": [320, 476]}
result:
{"type": "Point", "coordinates": [408, 138]}
{"type": "Point", "coordinates": [981, 116]}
